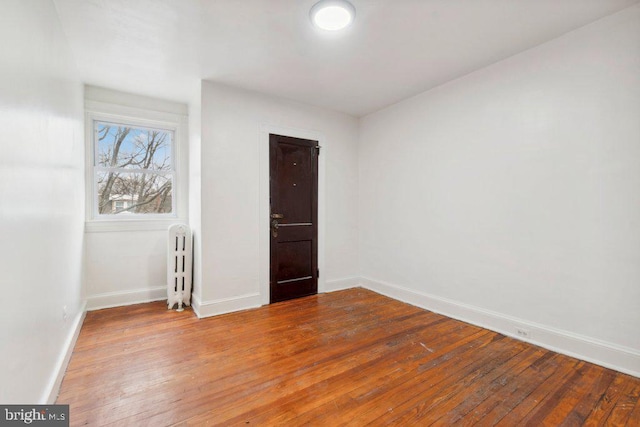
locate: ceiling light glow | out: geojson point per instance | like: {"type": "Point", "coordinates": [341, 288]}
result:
{"type": "Point", "coordinates": [332, 15]}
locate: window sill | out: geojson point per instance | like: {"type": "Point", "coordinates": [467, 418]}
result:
{"type": "Point", "coordinates": [123, 225]}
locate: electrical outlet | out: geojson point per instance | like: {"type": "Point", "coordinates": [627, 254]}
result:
{"type": "Point", "coordinates": [64, 313]}
{"type": "Point", "coordinates": [523, 333]}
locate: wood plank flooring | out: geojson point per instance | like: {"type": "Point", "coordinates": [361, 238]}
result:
{"type": "Point", "coordinates": [345, 358]}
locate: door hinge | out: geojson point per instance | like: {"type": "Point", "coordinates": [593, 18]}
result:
{"type": "Point", "coordinates": [318, 274]}
{"type": "Point", "coordinates": [318, 149]}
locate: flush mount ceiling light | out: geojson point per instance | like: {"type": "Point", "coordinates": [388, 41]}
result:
{"type": "Point", "coordinates": [332, 15]}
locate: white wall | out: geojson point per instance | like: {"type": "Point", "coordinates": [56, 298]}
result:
{"type": "Point", "coordinates": [195, 190]}
{"type": "Point", "coordinates": [126, 261]}
{"type": "Point", "coordinates": [41, 200]}
{"type": "Point", "coordinates": [514, 192]}
{"type": "Point", "coordinates": [234, 125]}
{"type": "Point", "coordinates": [125, 267]}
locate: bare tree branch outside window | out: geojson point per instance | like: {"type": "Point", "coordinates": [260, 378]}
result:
{"type": "Point", "coordinates": [133, 168]}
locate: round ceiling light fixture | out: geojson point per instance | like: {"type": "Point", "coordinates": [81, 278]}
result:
{"type": "Point", "coordinates": [332, 15]}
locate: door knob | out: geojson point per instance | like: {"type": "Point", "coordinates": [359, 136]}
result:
{"type": "Point", "coordinates": [274, 228]}
{"type": "Point", "coordinates": [277, 216]}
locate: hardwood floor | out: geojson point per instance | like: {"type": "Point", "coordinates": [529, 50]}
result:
{"type": "Point", "coordinates": [345, 358]}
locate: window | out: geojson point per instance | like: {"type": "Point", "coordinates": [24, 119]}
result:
{"type": "Point", "coordinates": [118, 206]}
{"type": "Point", "coordinates": [133, 169]}
{"type": "Point", "coordinates": [135, 161]}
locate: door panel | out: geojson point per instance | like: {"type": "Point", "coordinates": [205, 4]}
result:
{"type": "Point", "coordinates": [295, 183]}
{"type": "Point", "coordinates": [294, 215]}
{"type": "Point", "coordinates": [294, 260]}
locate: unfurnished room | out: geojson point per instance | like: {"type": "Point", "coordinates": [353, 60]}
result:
{"type": "Point", "coordinates": [320, 212]}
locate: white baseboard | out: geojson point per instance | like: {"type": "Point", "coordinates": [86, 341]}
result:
{"type": "Point", "coordinates": [244, 302]}
{"type": "Point", "coordinates": [117, 299]}
{"type": "Point", "coordinates": [226, 305]}
{"type": "Point", "coordinates": [53, 388]}
{"type": "Point", "coordinates": [602, 353]}
{"type": "Point", "coordinates": [341, 284]}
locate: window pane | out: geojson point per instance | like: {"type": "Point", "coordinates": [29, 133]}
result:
{"type": "Point", "coordinates": [134, 193]}
{"type": "Point", "coordinates": [120, 146]}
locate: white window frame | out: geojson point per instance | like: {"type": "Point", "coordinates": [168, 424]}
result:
{"type": "Point", "coordinates": [171, 173]}
{"type": "Point", "coordinates": [96, 111]}
{"type": "Point", "coordinates": [119, 201]}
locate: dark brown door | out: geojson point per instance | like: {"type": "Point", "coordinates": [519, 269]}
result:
{"type": "Point", "coordinates": [294, 217]}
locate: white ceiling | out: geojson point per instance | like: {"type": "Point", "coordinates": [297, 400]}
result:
{"type": "Point", "coordinates": [395, 49]}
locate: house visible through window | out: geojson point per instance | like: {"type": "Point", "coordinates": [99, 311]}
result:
{"type": "Point", "coordinates": [118, 206]}
{"type": "Point", "coordinates": [134, 170]}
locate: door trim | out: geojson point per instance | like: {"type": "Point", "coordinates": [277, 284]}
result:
{"type": "Point", "coordinates": [264, 227]}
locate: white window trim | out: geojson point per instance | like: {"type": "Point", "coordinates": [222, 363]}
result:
{"type": "Point", "coordinates": [177, 123]}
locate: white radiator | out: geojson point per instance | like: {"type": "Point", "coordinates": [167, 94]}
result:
{"type": "Point", "coordinates": [179, 259]}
